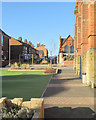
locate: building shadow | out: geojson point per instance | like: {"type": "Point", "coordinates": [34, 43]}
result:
{"type": "Point", "coordinates": [77, 113]}
{"type": "Point", "coordinates": [59, 71]}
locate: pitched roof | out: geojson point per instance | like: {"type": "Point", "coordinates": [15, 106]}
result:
{"type": "Point", "coordinates": [63, 40]}
{"type": "Point", "coordinates": [22, 43]}
{"type": "Point", "coordinates": [2, 32]}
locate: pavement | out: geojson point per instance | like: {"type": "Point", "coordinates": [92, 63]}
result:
{"type": "Point", "coordinates": [66, 97]}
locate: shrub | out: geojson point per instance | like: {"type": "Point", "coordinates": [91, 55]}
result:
{"type": "Point", "coordinates": [45, 63]}
{"type": "Point", "coordinates": [23, 66]}
{"type": "Point", "coordinates": [16, 65]}
{"type": "Point", "coordinates": [11, 111]}
{"type": "Point", "coordinates": [28, 66]}
{"type": "Point", "coordinates": [19, 63]}
{"type": "Point", "coordinates": [69, 57]}
{"type": "Point", "coordinates": [12, 66]}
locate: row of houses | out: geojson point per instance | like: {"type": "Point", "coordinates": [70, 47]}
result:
{"type": "Point", "coordinates": [15, 50]}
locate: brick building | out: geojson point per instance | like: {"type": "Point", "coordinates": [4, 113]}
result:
{"type": "Point", "coordinates": [4, 48]}
{"type": "Point", "coordinates": [43, 51]}
{"type": "Point", "coordinates": [66, 48]}
{"type": "Point", "coordinates": [67, 45]}
{"type": "Point", "coordinates": [22, 51]}
{"type": "Point", "coordinates": [85, 40]}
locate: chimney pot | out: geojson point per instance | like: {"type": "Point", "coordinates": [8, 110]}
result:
{"type": "Point", "coordinates": [20, 38]}
{"type": "Point", "coordinates": [38, 44]}
{"type": "Point", "coordinates": [25, 41]}
{"type": "Point", "coordinates": [29, 43]}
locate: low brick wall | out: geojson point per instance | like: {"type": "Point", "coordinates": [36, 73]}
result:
{"type": "Point", "coordinates": [68, 63]}
{"type": "Point", "coordinates": [36, 104]}
{"type": "Point", "coordinates": [78, 65]}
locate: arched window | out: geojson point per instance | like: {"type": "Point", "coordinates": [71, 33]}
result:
{"type": "Point", "coordinates": [72, 49]}
{"type": "Point", "coordinates": [66, 49]}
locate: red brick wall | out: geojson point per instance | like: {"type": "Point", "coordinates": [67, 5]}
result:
{"type": "Point", "coordinates": [75, 36]}
{"type": "Point", "coordinates": [16, 51]}
{"type": "Point", "coordinates": [86, 21]}
{"type": "Point", "coordinates": [43, 48]}
{"type": "Point", "coordinates": [79, 29]}
{"type": "Point", "coordinates": [84, 27]}
{"type": "Point", "coordinates": [68, 63]}
{"type": "Point", "coordinates": [5, 48]}
{"type": "Point", "coordinates": [92, 25]}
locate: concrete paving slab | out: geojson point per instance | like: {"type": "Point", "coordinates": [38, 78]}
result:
{"type": "Point", "coordinates": [67, 97]}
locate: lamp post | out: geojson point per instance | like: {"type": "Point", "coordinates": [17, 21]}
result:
{"type": "Point", "coordinates": [9, 53]}
{"type": "Point", "coordinates": [19, 58]}
{"type": "Point", "coordinates": [32, 59]}
{"type": "Point", "coordinates": [51, 58]}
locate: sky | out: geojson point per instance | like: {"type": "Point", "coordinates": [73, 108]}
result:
{"type": "Point", "coordinates": [42, 22]}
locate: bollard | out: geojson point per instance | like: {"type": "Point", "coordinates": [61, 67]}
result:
{"type": "Point", "coordinates": [92, 85]}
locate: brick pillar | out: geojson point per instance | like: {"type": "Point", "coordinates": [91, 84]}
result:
{"type": "Point", "coordinates": [79, 29]}
{"type": "Point", "coordinates": [92, 24]}
{"type": "Point", "coordinates": [91, 53]}
{"type": "Point", "coordinates": [84, 27]}
{"type": "Point", "coordinates": [84, 35]}
{"type": "Point", "coordinates": [60, 58]}
{"type": "Point", "coordinates": [75, 38]}
{"type": "Point", "coordinates": [78, 58]}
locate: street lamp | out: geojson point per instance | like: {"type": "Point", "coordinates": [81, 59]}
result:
{"type": "Point", "coordinates": [9, 53]}
{"type": "Point", "coordinates": [32, 59]}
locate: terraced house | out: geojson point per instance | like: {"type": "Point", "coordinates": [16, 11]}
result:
{"type": "Point", "coordinates": [4, 48]}
{"type": "Point", "coordinates": [15, 50]}
{"type": "Point", "coordinates": [85, 40]}
{"type": "Point", "coordinates": [22, 51]}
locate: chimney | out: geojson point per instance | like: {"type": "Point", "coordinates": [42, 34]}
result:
{"type": "Point", "coordinates": [25, 41]}
{"type": "Point", "coordinates": [29, 43]}
{"type": "Point", "coordinates": [32, 45]}
{"type": "Point", "coordinates": [20, 38]}
{"type": "Point", "coordinates": [38, 44]}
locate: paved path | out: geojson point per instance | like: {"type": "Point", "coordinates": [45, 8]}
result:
{"type": "Point", "coordinates": [67, 97]}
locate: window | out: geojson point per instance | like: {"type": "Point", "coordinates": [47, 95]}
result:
{"type": "Point", "coordinates": [25, 50]}
{"type": "Point", "coordinates": [72, 49]}
{"type": "Point", "coordinates": [41, 52]}
{"type": "Point", "coordinates": [66, 49]}
{"type": "Point", "coordinates": [30, 50]}
{"type": "Point", "coordinates": [2, 40]}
